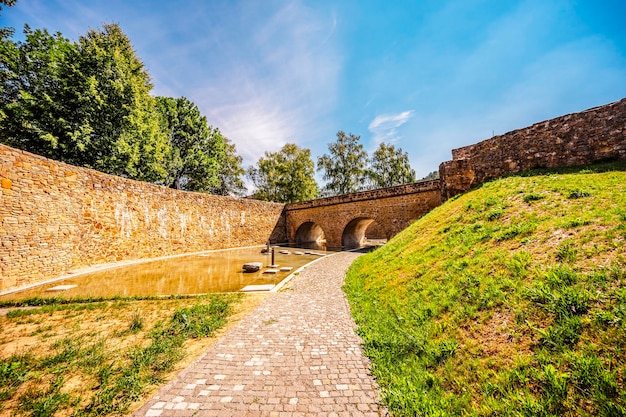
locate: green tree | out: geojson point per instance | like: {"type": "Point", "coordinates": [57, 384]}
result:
{"type": "Point", "coordinates": [123, 126]}
{"type": "Point", "coordinates": [390, 166]}
{"type": "Point", "coordinates": [230, 175]}
{"type": "Point", "coordinates": [86, 103]}
{"type": "Point", "coordinates": [198, 151]}
{"type": "Point", "coordinates": [434, 175]}
{"type": "Point", "coordinates": [345, 169]}
{"type": "Point", "coordinates": [34, 102]}
{"type": "Point", "coordinates": [286, 176]}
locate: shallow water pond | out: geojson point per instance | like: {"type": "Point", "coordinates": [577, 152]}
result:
{"type": "Point", "coordinates": [214, 271]}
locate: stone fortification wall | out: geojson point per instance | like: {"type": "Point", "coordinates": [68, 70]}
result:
{"type": "Point", "coordinates": [393, 209]}
{"type": "Point", "coordinates": [56, 217]}
{"type": "Point", "coordinates": [575, 139]}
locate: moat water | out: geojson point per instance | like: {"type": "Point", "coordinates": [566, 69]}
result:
{"type": "Point", "coordinates": [209, 272]}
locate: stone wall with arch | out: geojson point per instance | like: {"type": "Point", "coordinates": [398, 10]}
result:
{"type": "Point", "coordinates": [344, 219]}
{"type": "Point", "coordinates": [56, 217]}
{"type": "Point", "coordinates": [589, 136]}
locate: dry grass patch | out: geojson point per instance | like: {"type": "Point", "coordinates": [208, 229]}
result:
{"type": "Point", "coordinates": [105, 357]}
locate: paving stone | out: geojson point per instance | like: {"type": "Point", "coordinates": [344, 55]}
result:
{"type": "Point", "coordinates": [297, 354]}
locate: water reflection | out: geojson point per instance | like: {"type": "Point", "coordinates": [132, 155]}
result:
{"type": "Point", "coordinates": [217, 271]}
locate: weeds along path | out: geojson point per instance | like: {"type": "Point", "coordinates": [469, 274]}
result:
{"type": "Point", "coordinates": [296, 354]}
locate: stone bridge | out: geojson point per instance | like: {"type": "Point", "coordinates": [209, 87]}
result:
{"type": "Point", "coordinates": [346, 220]}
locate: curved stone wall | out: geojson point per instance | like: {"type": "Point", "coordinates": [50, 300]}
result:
{"type": "Point", "coordinates": [56, 217]}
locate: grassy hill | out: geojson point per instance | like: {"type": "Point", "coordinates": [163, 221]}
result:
{"type": "Point", "coordinates": [509, 300]}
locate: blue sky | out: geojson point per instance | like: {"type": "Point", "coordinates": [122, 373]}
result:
{"type": "Point", "coordinates": [428, 76]}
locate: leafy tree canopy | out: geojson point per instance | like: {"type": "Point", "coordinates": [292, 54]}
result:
{"type": "Point", "coordinates": [119, 115]}
{"type": "Point", "coordinates": [230, 182]}
{"type": "Point", "coordinates": [390, 166]}
{"type": "Point", "coordinates": [434, 175]}
{"type": "Point", "coordinates": [198, 151]}
{"type": "Point", "coordinates": [33, 107]}
{"type": "Point", "coordinates": [286, 176]}
{"type": "Point", "coordinates": [345, 168]}
{"type": "Point", "coordinates": [86, 103]}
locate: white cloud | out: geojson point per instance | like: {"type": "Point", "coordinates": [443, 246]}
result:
{"type": "Point", "coordinates": [385, 127]}
{"type": "Point", "coordinates": [267, 79]}
{"type": "Point", "coordinates": [264, 73]}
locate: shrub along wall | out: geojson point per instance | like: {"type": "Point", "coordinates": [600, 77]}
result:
{"type": "Point", "coordinates": [56, 217]}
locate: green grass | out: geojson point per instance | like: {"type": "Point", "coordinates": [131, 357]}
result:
{"type": "Point", "coordinates": [112, 377]}
{"type": "Point", "coordinates": [122, 385]}
{"type": "Point", "coordinates": [55, 303]}
{"type": "Point", "coordinates": [509, 300]}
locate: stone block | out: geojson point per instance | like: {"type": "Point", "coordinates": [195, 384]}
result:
{"type": "Point", "coordinates": [6, 183]}
{"type": "Point", "coordinates": [252, 266]}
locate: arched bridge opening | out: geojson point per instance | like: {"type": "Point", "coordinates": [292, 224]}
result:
{"type": "Point", "coordinates": [310, 234]}
{"type": "Point", "coordinates": [355, 232]}
{"type": "Point", "coordinates": [375, 231]}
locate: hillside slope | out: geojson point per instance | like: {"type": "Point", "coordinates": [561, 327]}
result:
{"type": "Point", "coordinates": [509, 300]}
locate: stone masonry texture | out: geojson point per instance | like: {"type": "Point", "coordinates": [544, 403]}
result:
{"type": "Point", "coordinates": [392, 209]}
{"type": "Point", "coordinates": [592, 135]}
{"type": "Point", "coordinates": [55, 217]}
{"type": "Point", "coordinates": [296, 355]}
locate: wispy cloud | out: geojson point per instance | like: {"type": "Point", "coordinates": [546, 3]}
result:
{"type": "Point", "coordinates": [264, 73]}
{"type": "Point", "coordinates": [268, 79]}
{"type": "Point", "coordinates": [384, 127]}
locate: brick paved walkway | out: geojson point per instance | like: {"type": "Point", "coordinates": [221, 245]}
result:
{"type": "Point", "coordinates": [296, 355]}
